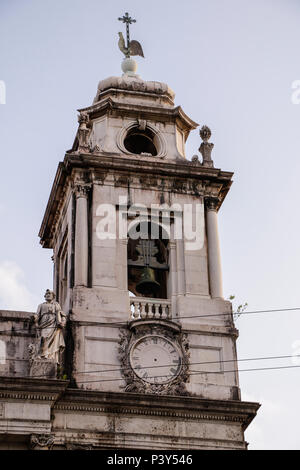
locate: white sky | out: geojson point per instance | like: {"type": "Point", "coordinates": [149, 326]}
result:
{"type": "Point", "coordinates": [231, 64]}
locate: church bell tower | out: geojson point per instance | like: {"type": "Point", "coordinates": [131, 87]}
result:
{"type": "Point", "coordinates": [133, 225]}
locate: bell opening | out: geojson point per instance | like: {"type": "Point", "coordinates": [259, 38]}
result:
{"type": "Point", "coordinates": [148, 286]}
{"type": "Point", "coordinates": [140, 142]}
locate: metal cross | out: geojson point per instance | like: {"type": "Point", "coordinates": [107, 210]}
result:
{"type": "Point", "coordinates": [128, 20]}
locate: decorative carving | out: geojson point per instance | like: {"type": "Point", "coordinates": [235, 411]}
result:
{"type": "Point", "coordinates": [137, 385]}
{"type": "Point", "coordinates": [212, 203]}
{"type": "Point", "coordinates": [205, 133]}
{"type": "Point", "coordinates": [195, 160]}
{"type": "Point", "coordinates": [82, 189]}
{"type": "Point", "coordinates": [43, 368]}
{"type": "Point", "coordinates": [76, 446]}
{"type": "Point", "coordinates": [32, 352]}
{"type": "Point", "coordinates": [206, 147]}
{"type": "Point", "coordinates": [41, 441]}
{"type": "Point", "coordinates": [142, 124]}
{"type": "Point", "coordinates": [95, 149]}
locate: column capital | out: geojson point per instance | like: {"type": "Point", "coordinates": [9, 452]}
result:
{"type": "Point", "coordinates": [81, 189]}
{"type": "Point", "coordinates": [211, 203]}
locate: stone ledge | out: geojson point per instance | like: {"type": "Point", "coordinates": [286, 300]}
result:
{"type": "Point", "coordinates": [153, 405]}
{"type": "Point", "coordinates": [15, 315]}
{"type": "Point", "coordinates": [80, 438]}
{"type": "Point", "coordinates": [19, 388]}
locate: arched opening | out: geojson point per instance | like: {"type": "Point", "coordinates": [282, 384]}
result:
{"type": "Point", "coordinates": [140, 142]}
{"type": "Point", "coordinates": [148, 263]}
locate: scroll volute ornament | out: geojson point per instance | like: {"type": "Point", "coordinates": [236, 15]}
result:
{"type": "Point", "coordinates": [81, 189]}
{"type": "Point", "coordinates": [41, 441]}
{"type": "Point", "coordinates": [212, 203]}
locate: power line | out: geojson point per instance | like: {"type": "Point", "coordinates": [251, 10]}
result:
{"type": "Point", "coordinates": [120, 323]}
{"type": "Point", "coordinates": [194, 363]}
{"type": "Point", "coordinates": [119, 369]}
{"type": "Point", "coordinates": [200, 372]}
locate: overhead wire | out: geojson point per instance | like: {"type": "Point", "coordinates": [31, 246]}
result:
{"type": "Point", "coordinates": [124, 323]}
{"type": "Point", "coordinates": [119, 369]}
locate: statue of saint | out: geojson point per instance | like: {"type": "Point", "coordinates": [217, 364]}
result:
{"type": "Point", "coordinates": [50, 321]}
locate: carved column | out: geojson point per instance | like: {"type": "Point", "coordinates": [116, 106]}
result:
{"type": "Point", "coordinates": [123, 262]}
{"type": "Point", "coordinates": [81, 235]}
{"type": "Point", "coordinates": [172, 287]}
{"type": "Point", "coordinates": [214, 255]}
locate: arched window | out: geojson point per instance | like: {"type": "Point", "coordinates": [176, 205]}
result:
{"type": "Point", "coordinates": [148, 263]}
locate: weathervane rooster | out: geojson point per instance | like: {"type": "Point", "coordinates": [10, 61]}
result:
{"type": "Point", "coordinates": [133, 47]}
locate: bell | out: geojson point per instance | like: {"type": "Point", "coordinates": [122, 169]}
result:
{"type": "Point", "coordinates": [147, 285]}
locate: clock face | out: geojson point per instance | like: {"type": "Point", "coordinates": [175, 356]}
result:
{"type": "Point", "coordinates": [155, 359]}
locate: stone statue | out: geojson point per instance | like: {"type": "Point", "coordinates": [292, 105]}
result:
{"type": "Point", "coordinates": [50, 322]}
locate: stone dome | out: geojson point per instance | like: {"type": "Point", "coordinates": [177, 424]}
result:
{"type": "Point", "coordinates": [134, 85]}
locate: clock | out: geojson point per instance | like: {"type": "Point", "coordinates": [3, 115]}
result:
{"type": "Point", "coordinates": [155, 359]}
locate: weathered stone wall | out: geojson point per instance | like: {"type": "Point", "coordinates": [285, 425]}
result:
{"type": "Point", "coordinates": [16, 333]}
{"type": "Point", "coordinates": [47, 414]}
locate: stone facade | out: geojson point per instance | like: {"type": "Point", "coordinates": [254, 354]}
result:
{"type": "Point", "coordinates": [102, 405]}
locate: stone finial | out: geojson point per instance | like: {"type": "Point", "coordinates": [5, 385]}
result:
{"type": "Point", "coordinates": [206, 147]}
{"type": "Point", "coordinates": [205, 133]}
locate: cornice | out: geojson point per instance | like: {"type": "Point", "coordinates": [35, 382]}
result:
{"type": "Point", "coordinates": [53, 201]}
{"type": "Point", "coordinates": [67, 399]}
{"type": "Point", "coordinates": [153, 405]}
{"type": "Point", "coordinates": [147, 412]}
{"type": "Point", "coordinates": [180, 167]}
{"type": "Point", "coordinates": [126, 164]}
{"type": "Point", "coordinates": [15, 315]}
{"type": "Point", "coordinates": [109, 105]}
{"type": "Point", "coordinates": [26, 388]}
